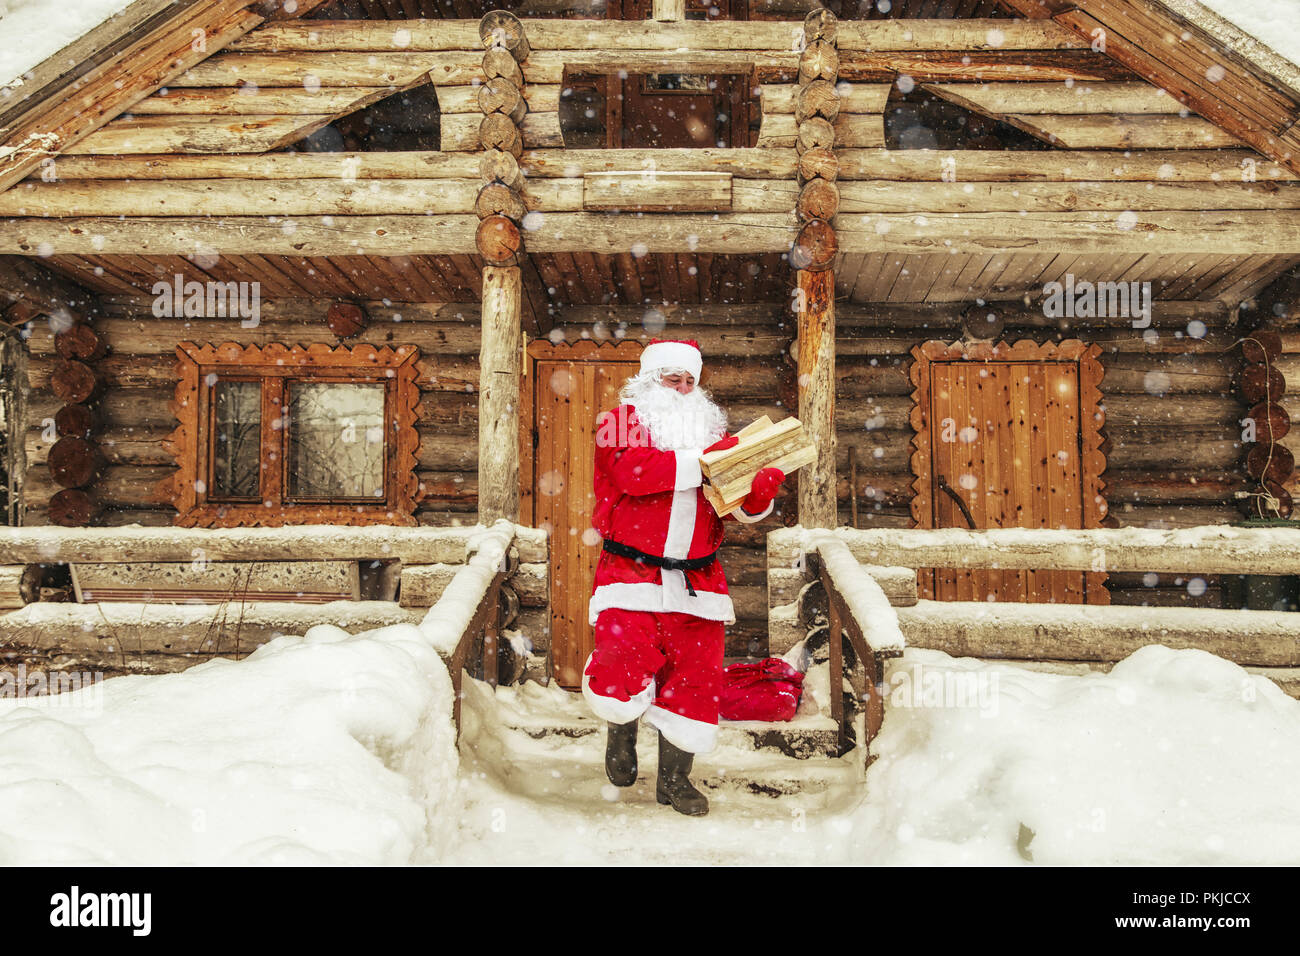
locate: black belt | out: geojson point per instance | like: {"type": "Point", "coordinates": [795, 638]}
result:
{"type": "Point", "coordinates": [672, 564]}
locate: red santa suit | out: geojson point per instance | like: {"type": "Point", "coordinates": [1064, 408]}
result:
{"type": "Point", "coordinates": [659, 646]}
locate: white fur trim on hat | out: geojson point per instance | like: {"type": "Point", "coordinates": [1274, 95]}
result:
{"type": "Point", "coordinates": [672, 355]}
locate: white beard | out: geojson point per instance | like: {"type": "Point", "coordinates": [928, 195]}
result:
{"type": "Point", "coordinates": [674, 420]}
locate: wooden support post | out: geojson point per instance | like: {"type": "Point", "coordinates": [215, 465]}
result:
{"type": "Point", "coordinates": [834, 638]}
{"type": "Point", "coordinates": [498, 405]}
{"type": "Point", "coordinates": [669, 10]}
{"type": "Point", "coordinates": [815, 312]}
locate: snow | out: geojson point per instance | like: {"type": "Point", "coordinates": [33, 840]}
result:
{"type": "Point", "coordinates": [1275, 23]}
{"type": "Point", "coordinates": [32, 31]}
{"type": "Point", "coordinates": [325, 748]}
{"type": "Point", "coordinates": [332, 748]}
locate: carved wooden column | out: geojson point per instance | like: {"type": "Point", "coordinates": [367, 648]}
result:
{"type": "Point", "coordinates": [813, 256]}
{"type": "Point", "coordinates": [498, 397]}
{"type": "Point", "coordinates": [501, 210]}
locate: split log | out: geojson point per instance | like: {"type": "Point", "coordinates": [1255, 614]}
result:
{"type": "Point", "coordinates": [73, 508]}
{"type": "Point", "coordinates": [74, 462]}
{"type": "Point", "coordinates": [819, 61]}
{"type": "Point", "coordinates": [820, 24]}
{"type": "Point", "coordinates": [502, 30]}
{"type": "Point", "coordinates": [815, 247]}
{"type": "Point", "coordinates": [499, 95]}
{"type": "Point", "coordinates": [498, 240]}
{"type": "Point", "coordinates": [850, 131]}
{"type": "Point", "coordinates": [75, 421]}
{"type": "Point", "coordinates": [783, 98]}
{"type": "Point", "coordinates": [502, 166]}
{"type": "Point", "coordinates": [818, 163]}
{"type": "Point", "coordinates": [73, 382]}
{"type": "Point", "coordinates": [20, 584]}
{"type": "Point", "coordinates": [1271, 421]}
{"type": "Point", "coordinates": [496, 131]}
{"type": "Point", "coordinates": [501, 62]}
{"type": "Point", "coordinates": [1270, 461]}
{"type": "Point", "coordinates": [538, 98]}
{"type": "Point", "coordinates": [814, 133]}
{"type": "Point", "coordinates": [1261, 346]}
{"type": "Point", "coordinates": [1260, 383]}
{"type": "Point", "coordinates": [345, 319]}
{"type": "Point", "coordinates": [818, 98]}
{"type": "Point", "coordinates": [818, 200]}
{"type": "Point", "coordinates": [79, 342]}
{"type": "Point", "coordinates": [497, 199]}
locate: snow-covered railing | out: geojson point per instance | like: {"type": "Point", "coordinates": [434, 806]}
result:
{"type": "Point", "coordinates": [859, 609]}
{"type": "Point", "coordinates": [1212, 549]}
{"type": "Point", "coordinates": [470, 607]}
{"type": "Point", "coordinates": [1066, 632]}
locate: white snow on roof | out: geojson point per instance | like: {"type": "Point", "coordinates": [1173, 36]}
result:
{"type": "Point", "coordinates": [1274, 23]}
{"type": "Point", "coordinates": [32, 31]}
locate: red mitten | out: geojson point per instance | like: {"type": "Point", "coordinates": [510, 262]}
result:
{"type": "Point", "coordinates": [722, 444]}
{"type": "Point", "coordinates": [762, 490]}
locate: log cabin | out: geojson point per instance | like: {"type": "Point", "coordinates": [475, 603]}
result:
{"type": "Point", "coordinates": [368, 267]}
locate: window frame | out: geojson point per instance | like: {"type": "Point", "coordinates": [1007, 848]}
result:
{"type": "Point", "coordinates": [276, 366]}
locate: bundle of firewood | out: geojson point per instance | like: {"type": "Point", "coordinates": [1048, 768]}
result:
{"type": "Point", "coordinates": [730, 472]}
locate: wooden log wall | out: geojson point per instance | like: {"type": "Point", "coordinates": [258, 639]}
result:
{"type": "Point", "coordinates": [138, 378]}
{"type": "Point", "coordinates": [1173, 423]}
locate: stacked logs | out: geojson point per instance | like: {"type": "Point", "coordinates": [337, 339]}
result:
{"type": "Point", "coordinates": [499, 205]}
{"type": "Point", "coordinates": [817, 104]}
{"type": "Point", "coordinates": [75, 461]}
{"type": "Point", "coordinates": [1268, 462]}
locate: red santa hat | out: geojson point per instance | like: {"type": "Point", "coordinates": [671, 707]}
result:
{"type": "Point", "coordinates": [669, 353]}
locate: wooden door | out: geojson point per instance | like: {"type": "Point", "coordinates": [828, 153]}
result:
{"type": "Point", "coordinates": [567, 396]}
{"type": "Point", "coordinates": [1015, 443]}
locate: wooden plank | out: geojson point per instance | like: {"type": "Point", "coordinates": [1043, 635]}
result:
{"type": "Point", "coordinates": [244, 100]}
{"type": "Point", "coordinates": [1123, 131]}
{"type": "Point", "coordinates": [1104, 98]}
{"type": "Point", "coordinates": [598, 34]}
{"type": "Point", "coordinates": [138, 70]}
{"type": "Point", "coordinates": [919, 165]}
{"type": "Point", "coordinates": [197, 134]}
{"type": "Point", "coordinates": [656, 191]}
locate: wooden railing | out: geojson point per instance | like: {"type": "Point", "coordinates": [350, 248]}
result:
{"type": "Point", "coordinates": [469, 609]}
{"type": "Point", "coordinates": [466, 613]}
{"type": "Point", "coordinates": [848, 562]}
{"type": "Point", "coordinates": [859, 610]}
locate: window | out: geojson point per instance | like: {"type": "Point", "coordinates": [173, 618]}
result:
{"type": "Point", "coordinates": [276, 435]}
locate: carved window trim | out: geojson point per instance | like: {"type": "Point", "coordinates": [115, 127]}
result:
{"type": "Point", "coordinates": [199, 367]}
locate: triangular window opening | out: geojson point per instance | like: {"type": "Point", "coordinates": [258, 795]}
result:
{"type": "Point", "coordinates": [404, 120]}
{"type": "Point", "coordinates": [919, 119]}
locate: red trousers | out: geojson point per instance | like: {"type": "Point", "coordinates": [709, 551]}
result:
{"type": "Point", "coordinates": [665, 665]}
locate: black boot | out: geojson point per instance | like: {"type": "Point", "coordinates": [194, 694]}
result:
{"type": "Point", "coordinates": [620, 754]}
{"type": "Point", "coordinates": [674, 785]}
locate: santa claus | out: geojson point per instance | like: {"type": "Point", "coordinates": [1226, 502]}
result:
{"type": "Point", "coordinates": [660, 601]}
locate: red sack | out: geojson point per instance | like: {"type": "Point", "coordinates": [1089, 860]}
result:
{"type": "Point", "coordinates": [762, 690]}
